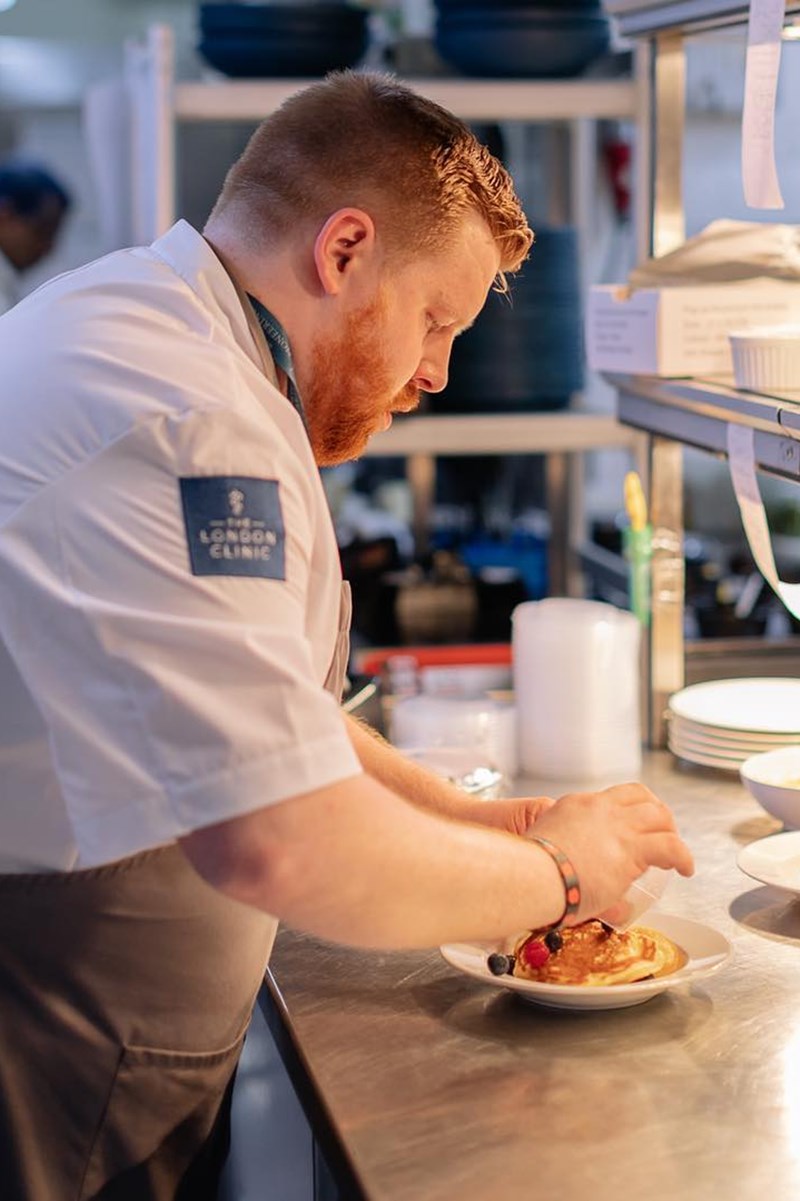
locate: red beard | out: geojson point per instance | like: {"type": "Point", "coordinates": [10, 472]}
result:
{"type": "Point", "coordinates": [349, 393]}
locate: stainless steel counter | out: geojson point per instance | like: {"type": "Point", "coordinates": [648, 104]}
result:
{"type": "Point", "coordinates": [424, 1085]}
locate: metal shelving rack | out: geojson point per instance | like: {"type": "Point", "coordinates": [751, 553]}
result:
{"type": "Point", "coordinates": [697, 413]}
{"type": "Point", "coordinates": [158, 102]}
{"type": "Point", "coordinates": [674, 413]}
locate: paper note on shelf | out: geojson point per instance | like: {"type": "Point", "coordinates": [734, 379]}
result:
{"type": "Point", "coordinates": [741, 456]}
{"type": "Point", "coordinates": [759, 173]}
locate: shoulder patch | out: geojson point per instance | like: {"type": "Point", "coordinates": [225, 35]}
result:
{"type": "Point", "coordinates": [234, 526]}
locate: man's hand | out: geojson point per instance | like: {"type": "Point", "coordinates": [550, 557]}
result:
{"type": "Point", "coordinates": [612, 837]}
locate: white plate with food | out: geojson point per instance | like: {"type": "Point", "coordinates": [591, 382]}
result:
{"type": "Point", "coordinates": [704, 949]}
{"type": "Point", "coordinates": [774, 860]}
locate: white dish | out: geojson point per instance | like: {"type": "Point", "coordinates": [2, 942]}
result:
{"type": "Point", "coordinates": [730, 756]}
{"type": "Point", "coordinates": [774, 860]}
{"type": "Point", "coordinates": [760, 706]}
{"type": "Point", "coordinates": [705, 747]}
{"type": "Point", "coordinates": [702, 759]}
{"type": "Point", "coordinates": [706, 947]}
{"type": "Point", "coordinates": [740, 739]}
{"type": "Point", "coordinates": [774, 780]}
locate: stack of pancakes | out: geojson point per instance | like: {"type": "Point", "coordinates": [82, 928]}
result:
{"type": "Point", "coordinates": [594, 954]}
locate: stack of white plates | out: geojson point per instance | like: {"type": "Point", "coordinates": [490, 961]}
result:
{"type": "Point", "coordinates": [723, 722]}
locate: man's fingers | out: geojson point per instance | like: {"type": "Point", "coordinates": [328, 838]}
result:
{"type": "Point", "coordinates": [670, 851]}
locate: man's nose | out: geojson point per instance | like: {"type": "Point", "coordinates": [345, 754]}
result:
{"type": "Point", "coordinates": [431, 375]}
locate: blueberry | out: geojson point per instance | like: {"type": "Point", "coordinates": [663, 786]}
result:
{"type": "Point", "coordinates": [500, 965]}
{"type": "Point", "coordinates": [553, 940]}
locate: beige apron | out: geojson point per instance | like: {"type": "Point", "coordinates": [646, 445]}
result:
{"type": "Point", "coordinates": [125, 994]}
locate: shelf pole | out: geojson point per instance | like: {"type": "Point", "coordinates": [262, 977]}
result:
{"type": "Point", "coordinates": [149, 78]}
{"type": "Point", "coordinates": [421, 476]}
{"type": "Point", "coordinates": [669, 228]}
{"type": "Point", "coordinates": [557, 485]}
{"type": "Point", "coordinates": [643, 68]}
{"type": "Point", "coordinates": [583, 191]}
{"type": "Point", "coordinates": [666, 648]}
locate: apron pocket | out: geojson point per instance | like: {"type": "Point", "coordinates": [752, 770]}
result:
{"type": "Point", "coordinates": [164, 1132]}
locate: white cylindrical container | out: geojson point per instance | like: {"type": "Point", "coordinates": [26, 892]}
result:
{"type": "Point", "coordinates": [576, 684]}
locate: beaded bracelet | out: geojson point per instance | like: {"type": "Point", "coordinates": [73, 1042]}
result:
{"type": "Point", "coordinates": [572, 887]}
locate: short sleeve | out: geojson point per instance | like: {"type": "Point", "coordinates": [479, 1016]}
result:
{"type": "Point", "coordinates": [175, 606]}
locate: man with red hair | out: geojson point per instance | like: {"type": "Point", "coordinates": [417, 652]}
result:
{"type": "Point", "coordinates": [177, 772]}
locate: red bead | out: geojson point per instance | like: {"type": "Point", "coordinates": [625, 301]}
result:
{"type": "Point", "coordinates": [535, 953]}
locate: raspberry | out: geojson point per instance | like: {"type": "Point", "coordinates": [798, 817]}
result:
{"type": "Point", "coordinates": [535, 954]}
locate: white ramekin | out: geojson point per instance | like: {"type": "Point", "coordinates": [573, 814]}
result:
{"type": "Point", "coordinates": [767, 358]}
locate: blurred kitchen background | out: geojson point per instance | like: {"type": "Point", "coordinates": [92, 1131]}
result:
{"type": "Point", "coordinates": [484, 539]}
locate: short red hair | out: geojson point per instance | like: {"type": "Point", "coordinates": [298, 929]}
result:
{"type": "Point", "coordinates": [364, 140]}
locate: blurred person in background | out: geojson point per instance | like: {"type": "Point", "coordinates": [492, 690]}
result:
{"type": "Point", "coordinates": [33, 205]}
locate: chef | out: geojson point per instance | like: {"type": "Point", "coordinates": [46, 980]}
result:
{"type": "Point", "coordinates": [177, 774]}
{"type": "Point", "coordinates": [33, 205]}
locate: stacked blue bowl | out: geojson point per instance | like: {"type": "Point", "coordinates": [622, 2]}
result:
{"type": "Point", "coordinates": [267, 40]}
{"type": "Point", "coordinates": [525, 352]}
{"type": "Point", "coordinates": [525, 39]}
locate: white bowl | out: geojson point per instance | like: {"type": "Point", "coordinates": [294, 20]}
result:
{"type": "Point", "coordinates": [774, 780]}
{"type": "Point", "coordinates": [767, 358]}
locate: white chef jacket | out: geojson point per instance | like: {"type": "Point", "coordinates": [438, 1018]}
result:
{"type": "Point", "coordinates": [9, 284]}
{"type": "Point", "coordinates": [147, 687]}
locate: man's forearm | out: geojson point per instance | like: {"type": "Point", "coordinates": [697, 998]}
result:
{"type": "Point", "coordinates": [409, 780]}
{"type": "Point", "coordinates": [353, 862]}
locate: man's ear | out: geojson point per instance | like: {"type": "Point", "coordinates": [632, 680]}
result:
{"type": "Point", "coordinates": [344, 245]}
